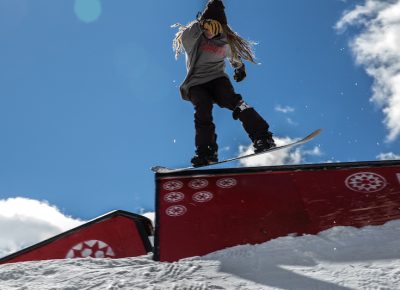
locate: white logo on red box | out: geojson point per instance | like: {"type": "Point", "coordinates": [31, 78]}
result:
{"type": "Point", "coordinates": [174, 197]}
{"type": "Point", "coordinates": [91, 248]}
{"type": "Point", "coordinates": [226, 182]}
{"type": "Point", "coordinates": [198, 183]}
{"type": "Point", "coordinates": [173, 185]}
{"type": "Point", "coordinates": [366, 182]}
{"type": "Point", "coordinates": [176, 210]}
{"type": "Point", "coordinates": [203, 196]}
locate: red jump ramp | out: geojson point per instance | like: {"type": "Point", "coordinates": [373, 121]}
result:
{"type": "Point", "coordinates": [118, 234]}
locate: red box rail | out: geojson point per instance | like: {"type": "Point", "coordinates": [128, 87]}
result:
{"type": "Point", "coordinates": [201, 211]}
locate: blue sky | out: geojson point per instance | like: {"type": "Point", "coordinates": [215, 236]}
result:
{"type": "Point", "coordinates": [89, 95]}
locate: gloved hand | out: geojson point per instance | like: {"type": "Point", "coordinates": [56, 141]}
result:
{"type": "Point", "coordinates": [240, 73]}
{"type": "Point", "coordinates": [212, 26]}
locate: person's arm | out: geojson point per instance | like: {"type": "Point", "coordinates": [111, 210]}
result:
{"type": "Point", "coordinates": [238, 65]}
{"type": "Point", "coordinates": [191, 35]}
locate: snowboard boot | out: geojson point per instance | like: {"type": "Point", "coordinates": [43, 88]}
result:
{"type": "Point", "coordinates": [264, 143]}
{"type": "Point", "coordinates": [205, 155]}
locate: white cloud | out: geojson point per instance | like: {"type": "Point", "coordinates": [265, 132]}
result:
{"type": "Point", "coordinates": [151, 216]}
{"type": "Point", "coordinates": [388, 156]}
{"type": "Point", "coordinates": [291, 122]}
{"type": "Point", "coordinates": [377, 48]}
{"type": "Point", "coordinates": [24, 222]}
{"type": "Point", "coordinates": [281, 157]}
{"type": "Point", "coordinates": [285, 109]}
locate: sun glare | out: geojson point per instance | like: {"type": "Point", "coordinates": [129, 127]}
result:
{"type": "Point", "coordinates": [88, 10]}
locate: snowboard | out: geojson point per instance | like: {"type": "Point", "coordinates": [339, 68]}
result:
{"type": "Point", "coordinates": [162, 169]}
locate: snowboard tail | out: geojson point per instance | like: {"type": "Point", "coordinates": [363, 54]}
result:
{"type": "Point", "coordinates": [162, 169]}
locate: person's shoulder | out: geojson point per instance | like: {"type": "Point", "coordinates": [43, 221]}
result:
{"type": "Point", "coordinates": [194, 23]}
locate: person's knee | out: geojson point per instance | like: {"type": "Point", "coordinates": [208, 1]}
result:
{"type": "Point", "coordinates": [240, 107]}
{"type": "Point", "coordinates": [204, 108]}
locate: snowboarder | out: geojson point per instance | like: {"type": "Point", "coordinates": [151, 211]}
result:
{"type": "Point", "coordinates": [207, 42]}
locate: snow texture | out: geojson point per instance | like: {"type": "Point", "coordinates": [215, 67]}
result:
{"type": "Point", "coordinates": [341, 258]}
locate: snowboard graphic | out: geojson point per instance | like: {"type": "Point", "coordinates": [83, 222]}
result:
{"type": "Point", "coordinates": [162, 169]}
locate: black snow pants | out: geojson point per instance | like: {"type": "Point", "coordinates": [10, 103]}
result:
{"type": "Point", "coordinates": [221, 92]}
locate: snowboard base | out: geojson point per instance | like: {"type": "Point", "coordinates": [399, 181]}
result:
{"type": "Point", "coordinates": [162, 169]}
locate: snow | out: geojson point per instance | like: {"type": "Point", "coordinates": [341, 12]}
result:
{"type": "Point", "coordinates": [340, 258]}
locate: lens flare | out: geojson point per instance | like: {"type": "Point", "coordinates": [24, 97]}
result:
{"type": "Point", "coordinates": [88, 10]}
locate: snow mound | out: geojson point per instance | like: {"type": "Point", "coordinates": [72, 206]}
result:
{"type": "Point", "coordinates": [339, 258]}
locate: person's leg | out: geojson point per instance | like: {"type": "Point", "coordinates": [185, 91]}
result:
{"type": "Point", "coordinates": [254, 125]}
{"type": "Point", "coordinates": [205, 137]}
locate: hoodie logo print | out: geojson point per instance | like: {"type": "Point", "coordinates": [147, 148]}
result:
{"type": "Point", "coordinates": [207, 46]}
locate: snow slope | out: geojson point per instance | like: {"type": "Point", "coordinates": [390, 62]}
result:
{"type": "Point", "coordinates": [339, 258]}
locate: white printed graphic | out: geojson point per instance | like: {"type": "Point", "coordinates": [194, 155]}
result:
{"type": "Point", "coordinates": [366, 182]}
{"type": "Point", "coordinates": [173, 185]}
{"type": "Point", "coordinates": [174, 197]}
{"type": "Point", "coordinates": [226, 182]}
{"type": "Point", "coordinates": [92, 248]}
{"type": "Point", "coordinates": [203, 196]}
{"type": "Point", "coordinates": [176, 210]}
{"type": "Point", "coordinates": [198, 183]}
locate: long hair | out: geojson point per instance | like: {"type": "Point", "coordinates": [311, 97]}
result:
{"type": "Point", "coordinates": [240, 47]}
{"type": "Point", "coordinates": [177, 44]}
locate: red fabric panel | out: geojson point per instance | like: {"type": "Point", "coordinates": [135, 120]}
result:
{"type": "Point", "coordinates": [350, 197]}
{"type": "Point", "coordinates": [203, 214]}
{"type": "Point", "coordinates": [200, 214]}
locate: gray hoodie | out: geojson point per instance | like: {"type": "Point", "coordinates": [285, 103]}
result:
{"type": "Point", "coordinates": [205, 58]}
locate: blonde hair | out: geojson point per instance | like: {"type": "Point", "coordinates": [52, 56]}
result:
{"type": "Point", "coordinates": [240, 47]}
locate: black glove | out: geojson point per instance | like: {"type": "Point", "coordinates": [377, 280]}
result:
{"type": "Point", "coordinates": [240, 73]}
